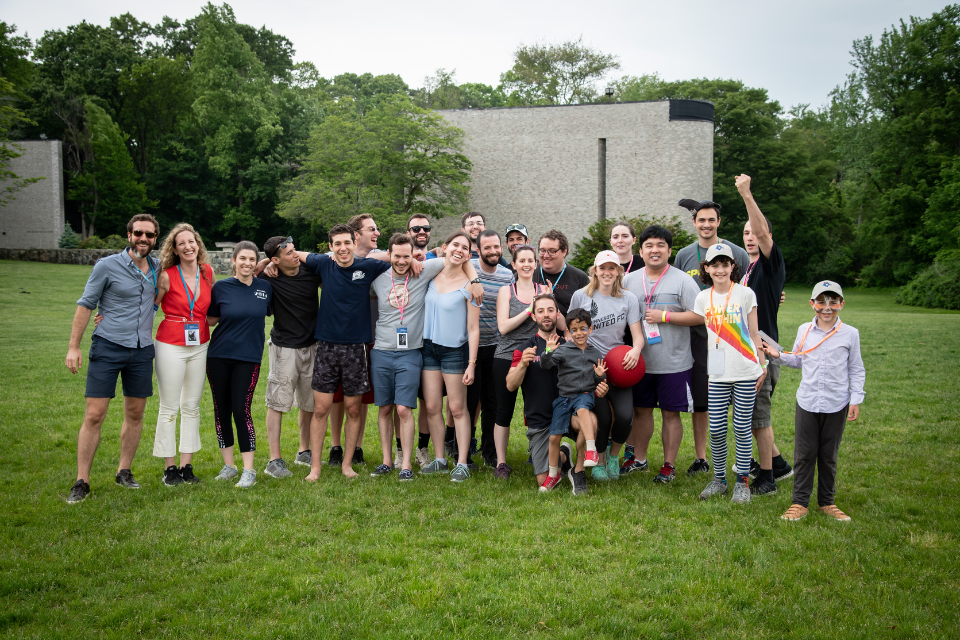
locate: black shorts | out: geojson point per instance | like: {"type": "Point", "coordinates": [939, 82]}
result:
{"type": "Point", "coordinates": [108, 360]}
{"type": "Point", "coordinates": [341, 364]}
{"type": "Point", "coordinates": [700, 380]}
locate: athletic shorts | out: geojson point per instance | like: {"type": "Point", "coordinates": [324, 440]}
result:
{"type": "Point", "coordinates": [396, 377]}
{"type": "Point", "coordinates": [761, 408]}
{"type": "Point", "coordinates": [367, 398]}
{"type": "Point", "coordinates": [343, 365]}
{"type": "Point", "coordinates": [564, 408]}
{"type": "Point", "coordinates": [290, 378]}
{"type": "Point", "coordinates": [107, 360]}
{"type": "Point", "coordinates": [664, 391]}
{"type": "Point", "coordinates": [699, 383]}
{"type": "Point", "coordinates": [539, 448]}
{"type": "Point", "coordinates": [437, 357]}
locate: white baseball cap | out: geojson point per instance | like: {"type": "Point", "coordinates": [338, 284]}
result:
{"type": "Point", "coordinates": [720, 249]}
{"type": "Point", "coordinates": [827, 286]}
{"type": "Point", "coordinates": [606, 256]}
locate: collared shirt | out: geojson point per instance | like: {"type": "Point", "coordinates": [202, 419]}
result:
{"type": "Point", "coordinates": [833, 373]}
{"type": "Point", "coordinates": [125, 298]}
{"type": "Point", "coordinates": [491, 283]}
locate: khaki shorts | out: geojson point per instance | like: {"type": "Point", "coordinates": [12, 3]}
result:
{"type": "Point", "coordinates": [291, 372]}
{"type": "Point", "coordinates": [762, 406]}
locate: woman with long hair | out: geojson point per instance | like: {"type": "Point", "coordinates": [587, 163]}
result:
{"type": "Point", "coordinates": [623, 241]}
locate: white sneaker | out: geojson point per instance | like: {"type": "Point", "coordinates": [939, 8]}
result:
{"type": "Point", "coordinates": [422, 457]}
{"type": "Point", "coordinates": [398, 459]}
{"type": "Point", "coordinates": [247, 479]}
{"type": "Point", "coordinates": [229, 472]}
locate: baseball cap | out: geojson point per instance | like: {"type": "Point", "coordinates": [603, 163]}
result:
{"type": "Point", "coordinates": [827, 286]}
{"type": "Point", "coordinates": [606, 256]}
{"type": "Point", "coordinates": [693, 206]}
{"type": "Point", "coordinates": [517, 227]}
{"type": "Point", "coordinates": [719, 249]}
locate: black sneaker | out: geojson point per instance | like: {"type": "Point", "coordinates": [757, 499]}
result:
{"type": "Point", "coordinates": [490, 461]}
{"type": "Point", "coordinates": [473, 447]}
{"type": "Point", "coordinates": [381, 470]}
{"type": "Point", "coordinates": [782, 472]}
{"type": "Point", "coordinates": [667, 474]}
{"type": "Point", "coordinates": [336, 457]}
{"type": "Point", "coordinates": [125, 479]}
{"type": "Point", "coordinates": [171, 476]}
{"type": "Point", "coordinates": [78, 492]}
{"type": "Point", "coordinates": [186, 472]}
{"type": "Point", "coordinates": [699, 466]}
{"type": "Point", "coordinates": [763, 487]}
{"type": "Point", "coordinates": [566, 465]}
{"type": "Point", "coordinates": [471, 465]}
{"type": "Point", "coordinates": [579, 481]}
{"type": "Point", "coordinates": [754, 469]}
{"type": "Point", "coordinates": [358, 456]}
{"type": "Point", "coordinates": [451, 449]}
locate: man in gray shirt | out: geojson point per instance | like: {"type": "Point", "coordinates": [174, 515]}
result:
{"type": "Point", "coordinates": [123, 286]}
{"type": "Point", "coordinates": [706, 220]}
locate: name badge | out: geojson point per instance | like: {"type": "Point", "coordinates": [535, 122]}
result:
{"type": "Point", "coordinates": [652, 331]}
{"type": "Point", "coordinates": [191, 334]}
{"type": "Point", "coordinates": [402, 338]}
{"type": "Point", "coordinates": [716, 363]}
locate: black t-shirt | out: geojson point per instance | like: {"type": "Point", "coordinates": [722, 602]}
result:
{"type": "Point", "coordinates": [539, 386]}
{"type": "Point", "coordinates": [295, 303]}
{"type": "Point", "coordinates": [767, 278]}
{"type": "Point", "coordinates": [632, 265]}
{"type": "Point", "coordinates": [565, 284]}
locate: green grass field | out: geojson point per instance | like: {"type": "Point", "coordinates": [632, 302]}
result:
{"type": "Point", "coordinates": [373, 558]}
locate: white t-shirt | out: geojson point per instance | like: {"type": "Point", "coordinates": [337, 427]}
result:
{"type": "Point", "coordinates": [740, 354]}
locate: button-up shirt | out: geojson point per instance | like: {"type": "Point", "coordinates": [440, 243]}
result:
{"type": "Point", "coordinates": [125, 298]}
{"type": "Point", "coordinates": [833, 373]}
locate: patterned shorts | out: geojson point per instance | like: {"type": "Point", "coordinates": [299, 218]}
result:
{"type": "Point", "coordinates": [345, 364]}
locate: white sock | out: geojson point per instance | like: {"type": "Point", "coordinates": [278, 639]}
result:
{"type": "Point", "coordinates": [591, 445]}
{"type": "Point", "coordinates": [442, 460]}
{"type": "Point", "coordinates": [554, 472]}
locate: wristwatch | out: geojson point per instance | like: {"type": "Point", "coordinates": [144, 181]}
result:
{"type": "Point", "coordinates": [475, 281]}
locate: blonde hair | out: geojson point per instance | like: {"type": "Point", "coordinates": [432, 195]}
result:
{"type": "Point", "coordinates": [168, 254]}
{"type": "Point", "coordinates": [594, 283]}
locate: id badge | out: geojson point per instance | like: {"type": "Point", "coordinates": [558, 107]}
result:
{"type": "Point", "coordinates": [402, 338]}
{"type": "Point", "coordinates": [716, 364]}
{"type": "Point", "coordinates": [191, 334]}
{"type": "Point", "coordinates": [652, 331]}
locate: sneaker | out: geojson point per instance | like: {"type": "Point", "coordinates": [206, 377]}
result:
{"type": "Point", "coordinates": [717, 487]}
{"type": "Point", "coordinates": [699, 466]}
{"type": "Point", "coordinates": [591, 458]}
{"type": "Point", "coordinates": [834, 512]}
{"type": "Point", "coordinates": [459, 473]}
{"type": "Point", "coordinates": [381, 470]}
{"type": "Point", "coordinates": [783, 472]}
{"type": "Point", "coordinates": [741, 491]}
{"type": "Point", "coordinates": [186, 472]}
{"type": "Point", "coordinates": [635, 466]}
{"type": "Point", "coordinates": [627, 461]}
{"type": "Point", "coordinates": [472, 465]}
{"type": "Point", "coordinates": [450, 447]}
{"type": "Point", "coordinates": [406, 475]}
{"type": "Point", "coordinates": [336, 457]}
{"type": "Point", "coordinates": [125, 479]}
{"type": "Point", "coordinates": [613, 465]}
{"type": "Point", "coordinates": [358, 456]}
{"type": "Point", "coordinates": [565, 465]}
{"type": "Point", "coordinates": [795, 512]}
{"type": "Point", "coordinates": [502, 472]}
{"type": "Point", "coordinates": [78, 492]}
{"type": "Point", "coordinates": [599, 472]}
{"type": "Point", "coordinates": [171, 476]}
{"type": "Point", "coordinates": [763, 487]}
{"type": "Point", "coordinates": [247, 479]}
{"type": "Point", "coordinates": [579, 481]}
{"type": "Point", "coordinates": [490, 461]}
{"type": "Point", "coordinates": [304, 458]}
{"type": "Point", "coordinates": [398, 458]}
{"type": "Point", "coordinates": [754, 469]}
{"type": "Point", "coordinates": [667, 474]}
{"type": "Point", "coordinates": [473, 447]}
{"type": "Point", "coordinates": [422, 457]}
{"type": "Point", "coordinates": [435, 467]}
{"type": "Point", "coordinates": [549, 483]}
{"type": "Point", "coordinates": [530, 459]}
{"type": "Point", "coordinates": [278, 469]}
{"type": "Point", "coordinates": [229, 472]}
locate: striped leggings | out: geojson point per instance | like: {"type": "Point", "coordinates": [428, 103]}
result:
{"type": "Point", "coordinates": [743, 394]}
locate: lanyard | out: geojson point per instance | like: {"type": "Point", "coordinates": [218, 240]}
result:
{"type": "Point", "coordinates": [544, 278]}
{"type": "Point", "coordinates": [191, 299]}
{"type": "Point", "coordinates": [153, 274]}
{"type": "Point", "coordinates": [627, 270]}
{"type": "Point", "coordinates": [723, 315]}
{"type": "Point", "coordinates": [746, 277]}
{"type": "Point", "coordinates": [644, 280]}
{"type": "Point", "coordinates": [400, 297]}
{"type": "Point", "coordinates": [825, 338]}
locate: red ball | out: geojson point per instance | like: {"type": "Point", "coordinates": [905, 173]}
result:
{"type": "Point", "coordinates": [616, 374]}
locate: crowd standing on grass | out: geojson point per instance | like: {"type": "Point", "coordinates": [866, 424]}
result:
{"type": "Point", "coordinates": [408, 328]}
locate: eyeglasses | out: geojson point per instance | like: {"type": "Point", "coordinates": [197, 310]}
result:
{"type": "Point", "coordinates": [140, 232]}
{"type": "Point", "coordinates": [421, 227]}
{"type": "Point", "coordinates": [282, 245]}
{"type": "Point", "coordinates": [549, 252]}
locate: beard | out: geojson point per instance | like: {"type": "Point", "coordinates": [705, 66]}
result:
{"type": "Point", "coordinates": [547, 325]}
{"type": "Point", "coordinates": [136, 250]}
{"type": "Point", "coordinates": [492, 259]}
{"type": "Point", "coordinates": [420, 245]}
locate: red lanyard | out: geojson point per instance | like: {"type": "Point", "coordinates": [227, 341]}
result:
{"type": "Point", "coordinates": [804, 338]}
{"type": "Point", "coordinates": [746, 277]}
{"type": "Point", "coordinates": [400, 297]}
{"type": "Point", "coordinates": [719, 323]}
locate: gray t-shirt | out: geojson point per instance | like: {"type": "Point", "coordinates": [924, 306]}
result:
{"type": "Point", "coordinates": [389, 307]}
{"type": "Point", "coordinates": [688, 260]}
{"type": "Point", "coordinates": [675, 292]}
{"type": "Point", "coordinates": [611, 316]}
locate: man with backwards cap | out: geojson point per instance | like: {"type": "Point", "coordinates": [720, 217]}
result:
{"type": "Point", "coordinates": [516, 234]}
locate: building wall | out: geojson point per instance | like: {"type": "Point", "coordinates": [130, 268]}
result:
{"type": "Point", "coordinates": [34, 220]}
{"type": "Point", "coordinates": [541, 165]}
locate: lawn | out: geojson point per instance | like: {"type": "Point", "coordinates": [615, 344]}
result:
{"type": "Point", "coordinates": [374, 558]}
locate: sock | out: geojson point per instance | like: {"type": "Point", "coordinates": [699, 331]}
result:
{"type": "Point", "coordinates": [554, 472]}
{"type": "Point", "coordinates": [399, 446]}
{"type": "Point", "coordinates": [442, 460]}
{"type": "Point", "coordinates": [778, 462]}
{"type": "Point", "coordinates": [591, 445]}
{"type": "Point", "coordinates": [745, 479]}
{"type": "Point", "coordinates": [423, 440]}
{"type": "Point", "coordinates": [767, 474]}
{"type": "Point", "coordinates": [450, 435]}
{"type": "Point", "coordinates": [628, 451]}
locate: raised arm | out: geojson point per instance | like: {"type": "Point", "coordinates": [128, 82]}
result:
{"type": "Point", "coordinates": [758, 223]}
{"type": "Point", "coordinates": [505, 323]}
{"type": "Point", "coordinates": [518, 370]}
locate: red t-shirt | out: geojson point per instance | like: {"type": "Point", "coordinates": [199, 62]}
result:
{"type": "Point", "coordinates": [176, 306]}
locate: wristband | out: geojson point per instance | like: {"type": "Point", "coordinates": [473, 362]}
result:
{"type": "Point", "coordinates": [663, 316]}
{"type": "Point", "coordinates": [546, 350]}
{"type": "Point", "coordinates": [668, 317]}
{"type": "Point", "coordinates": [529, 313]}
{"type": "Point", "coordinates": [471, 362]}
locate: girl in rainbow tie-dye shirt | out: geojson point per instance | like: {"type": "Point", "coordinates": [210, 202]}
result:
{"type": "Point", "coordinates": [735, 364]}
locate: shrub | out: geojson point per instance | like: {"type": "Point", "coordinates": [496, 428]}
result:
{"type": "Point", "coordinates": [69, 239]}
{"type": "Point", "coordinates": [115, 242]}
{"type": "Point", "coordinates": [937, 286]}
{"type": "Point", "coordinates": [598, 238]}
{"type": "Point", "coordinates": [93, 242]}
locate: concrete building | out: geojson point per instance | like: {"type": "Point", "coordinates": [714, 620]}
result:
{"type": "Point", "coordinates": [565, 167]}
{"type": "Point", "coordinates": [35, 219]}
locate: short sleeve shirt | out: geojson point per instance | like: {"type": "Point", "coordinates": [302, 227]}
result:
{"type": "Point", "coordinates": [688, 259]}
{"type": "Point", "coordinates": [242, 310]}
{"type": "Point", "coordinates": [565, 284]}
{"type": "Point", "coordinates": [539, 386]}
{"type": "Point", "coordinates": [675, 292]}
{"type": "Point", "coordinates": [767, 277]}
{"type": "Point", "coordinates": [125, 297]}
{"type": "Point", "coordinates": [391, 293]}
{"type": "Point", "coordinates": [344, 312]}
{"type": "Point", "coordinates": [611, 316]}
{"type": "Point", "coordinates": [732, 327]}
{"type": "Point", "coordinates": [295, 303]}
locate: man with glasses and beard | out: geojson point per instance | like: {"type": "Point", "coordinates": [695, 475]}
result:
{"type": "Point", "coordinates": [564, 279]}
{"type": "Point", "coordinates": [123, 286]}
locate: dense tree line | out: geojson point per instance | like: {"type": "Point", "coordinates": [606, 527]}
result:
{"type": "Point", "coordinates": [209, 121]}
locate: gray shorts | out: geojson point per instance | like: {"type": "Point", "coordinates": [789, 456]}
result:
{"type": "Point", "coordinates": [539, 448]}
{"type": "Point", "coordinates": [761, 409]}
{"type": "Point", "coordinates": [291, 374]}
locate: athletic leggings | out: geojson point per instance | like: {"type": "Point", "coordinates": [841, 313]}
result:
{"type": "Point", "coordinates": [506, 399]}
{"type": "Point", "coordinates": [232, 383]}
{"type": "Point", "coordinates": [743, 393]}
{"type": "Point", "coordinates": [614, 413]}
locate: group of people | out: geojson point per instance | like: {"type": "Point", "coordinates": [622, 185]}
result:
{"type": "Point", "coordinates": [406, 327]}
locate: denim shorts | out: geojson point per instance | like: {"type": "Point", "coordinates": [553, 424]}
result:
{"type": "Point", "coordinates": [437, 357]}
{"type": "Point", "coordinates": [564, 408]}
{"type": "Point", "coordinates": [109, 360]}
{"type": "Point", "coordinates": [396, 377]}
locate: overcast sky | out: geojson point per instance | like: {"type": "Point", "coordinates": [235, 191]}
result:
{"type": "Point", "coordinates": [798, 51]}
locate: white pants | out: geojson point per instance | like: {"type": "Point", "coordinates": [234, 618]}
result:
{"type": "Point", "coordinates": [181, 373]}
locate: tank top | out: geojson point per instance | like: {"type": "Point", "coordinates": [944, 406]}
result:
{"type": "Point", "coordinates": [445, 316]}
{"type": "Point", "coordinates": [176, 306]}
{"type": "Point", "coordinates": [521, 334]}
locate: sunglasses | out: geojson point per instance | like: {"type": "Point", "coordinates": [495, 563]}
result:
{"type": "Point", "coordinates": [283, 245]}
{"type": "Point", "coordinates": [518, 227]}
{"type": "Point", "coordinates": [140, 232]}
{"type": "Point", "coordinates": [419, 228]}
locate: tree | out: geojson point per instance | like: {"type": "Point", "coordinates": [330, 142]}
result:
{"type": "Point", "coordinates": [598, 238]}
{"type": "Point", "coordinates": [556, 74]}
{"type": "Point", "coordinates": [14, 53]}
{"type": "Point", "coordinates": [394, 160]}
{"type": "Point", "coordinates": [441, 91]}
{"type": "Point", "coordinates": [10, 117]}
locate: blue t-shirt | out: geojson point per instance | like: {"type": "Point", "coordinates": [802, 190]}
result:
{"type": "Point", "coordinates": [344, 316]}
{"type": "Point", "coordinates": [242, 310]}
